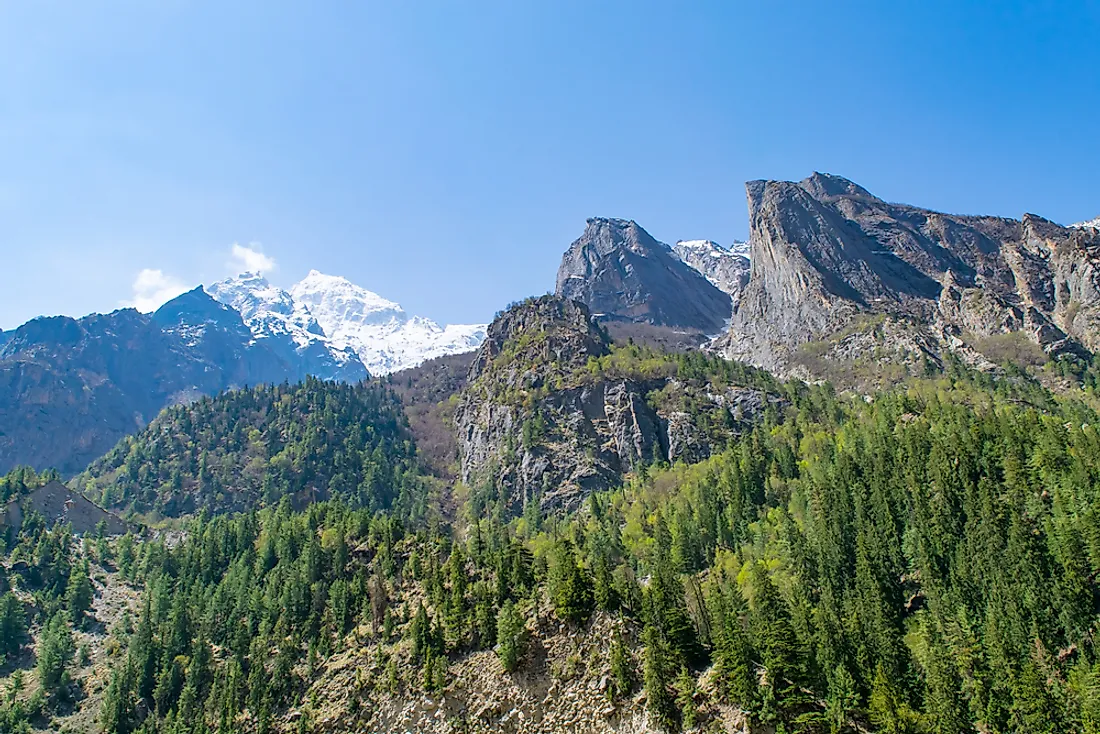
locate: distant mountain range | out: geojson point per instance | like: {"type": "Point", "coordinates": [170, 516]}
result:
{"type": "Point", "coordinates": [71, 388]}
{"type": "Point", "coordinates": [834, 283]}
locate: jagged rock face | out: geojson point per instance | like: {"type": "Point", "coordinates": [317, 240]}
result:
{"type": "Point", "coordinates": [727, 270]}
{"type": "Point", "coordinates": [621, 273]}
{"type": "Point", "coordinates": [536, 421]}
{"type": "Point", "coordinates": [71, 388]}
{"type": "Point", "coordinates": [829, 260]}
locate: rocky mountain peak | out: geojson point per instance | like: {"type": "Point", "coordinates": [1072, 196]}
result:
{"type": "Point", "coordinates": [828, 256]}
{"type": "Point", "coordinates": [622, 273]}
{"type": "Point", "coordinates": [197, 309]}
{"type": "Point", "coordinates": [606, 234]}
{"type": "Point", "coordinates": [44, 330]}
{"type": "Point", "coordinates": [827, 186]}
{"type": "Point", "coordinates": [540, 331]}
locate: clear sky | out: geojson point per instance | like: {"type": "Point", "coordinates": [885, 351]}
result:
{"type": "Point", "coordinates": [444, 154]}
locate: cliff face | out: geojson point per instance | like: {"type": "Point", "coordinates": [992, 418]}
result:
{"type": "Point", "coordinates": [838, 273]}
{"type": "Point", "coordinates": [621, 273]}
{"type": "Point", "coordinates": [543, 419]}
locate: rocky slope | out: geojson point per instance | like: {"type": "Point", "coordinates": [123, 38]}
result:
{"type": "Point", "coordinates": [553, 412]}
{"type": "Point", "coordinates": [71, 388]}
{"type": "Point", "coordinates": [384, 336]}
{"type": "Point", "coordinates": [621, 273]}
{"type": "Point", "coordinates": [726, 269]}
{"type": "Point", "coordinates": [563, 687]}
{"type": "Point", "coordinates": [841, 276]}
{"type": "Point", "coordinates": [287, 328]}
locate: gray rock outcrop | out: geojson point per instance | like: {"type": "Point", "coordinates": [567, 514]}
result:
{"type": "Point", "coordinates": [837, 273]}
{"type": "Point", "coordinates": [621, 273]}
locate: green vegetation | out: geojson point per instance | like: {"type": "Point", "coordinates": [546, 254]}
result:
{"type": "Point", "coordinates": [231, 452]}
{"type": "Point", "coordinates": [48, 590]}
{"type": "Point", "coordinates": [922, 561]}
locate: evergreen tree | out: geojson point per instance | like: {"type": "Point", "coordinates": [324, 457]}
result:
{"type": "Point", "coordinates": [658, 675]}
{"type": "Point", "coordinates": [622, 667]}
{"type": "Point", "coordinates": [13, 625]}
{"type": "Point", "coordinates": [685, 698]}
{"type": "Point", "coordinates": [570, 587]}
{"type": "Point", "coordinates": [55, 650]}
{"type": "Point", "coordinates": [511, 636]}
{"type": "Point", "coordinates": [79, 593]}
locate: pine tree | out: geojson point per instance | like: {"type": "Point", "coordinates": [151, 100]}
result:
{"type": "Point", "coordinates": [842, 701]}
{"type": "Point", "coordinates": [733, 667]}
{"type": "Point", "coordinates": [665, 604]}
{"type": "Point", "coordinates": [685, 698]}
{"type": "Point", "coordinates": [55, 650]}
{"type": "Point", "coordinates": [657, 675]}
{"type": "Point", "coordinates": [13, 625]}
{"type": "Point", "coordinates": [570, 587]}
{"type": "Point", "coordinates": [79, 593]}
{"type": "Point", "coordinates": [511, 636]}
{"type": "Point", "coordinates": [117, 714]}
{"type": "Point", "coordinates": [622, 667]}
{"type": "Point", "coordinates": [776, 640]}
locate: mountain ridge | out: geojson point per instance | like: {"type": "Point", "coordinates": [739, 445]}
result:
{"type": "Point", "coordinates": [827, 254]}
{"type": "Point", "coordinates": [71, 388]}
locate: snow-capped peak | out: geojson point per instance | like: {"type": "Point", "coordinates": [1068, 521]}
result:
{"type": "Point", "coordinates": [710, 248]}
{"type": "Point", "coordinates": [1092, 223]}
{"type": "Point", "coordinates": [287, 327]}
{"type": "Point", "coordinates": [385, 337]}
{"type": "Point", "coordinates": [336, 299]}
{"type": "Point", "coordinates": [337, 328]}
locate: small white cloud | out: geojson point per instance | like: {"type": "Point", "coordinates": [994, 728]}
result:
{"type": "Point", "coordinates": [152, 289]}
{"type": "Point", "coordinates": [250, 259]}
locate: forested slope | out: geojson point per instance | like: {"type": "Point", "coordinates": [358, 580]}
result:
{"type": "Point", "coordinates": [251, 447]}
{"type": "Point", "coordinates": [921, 560]}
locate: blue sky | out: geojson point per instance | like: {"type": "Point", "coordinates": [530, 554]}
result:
{"type": "Point", "coordinates": [444, 154]}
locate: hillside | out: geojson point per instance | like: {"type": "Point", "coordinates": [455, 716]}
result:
{"type": "Point", "coordinates": [925, 560]}
{"type": "Point", "coordinates": [253, 447]}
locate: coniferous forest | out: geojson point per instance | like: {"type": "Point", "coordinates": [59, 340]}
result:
{"type": "Point", "coordinates": [924, 560]}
